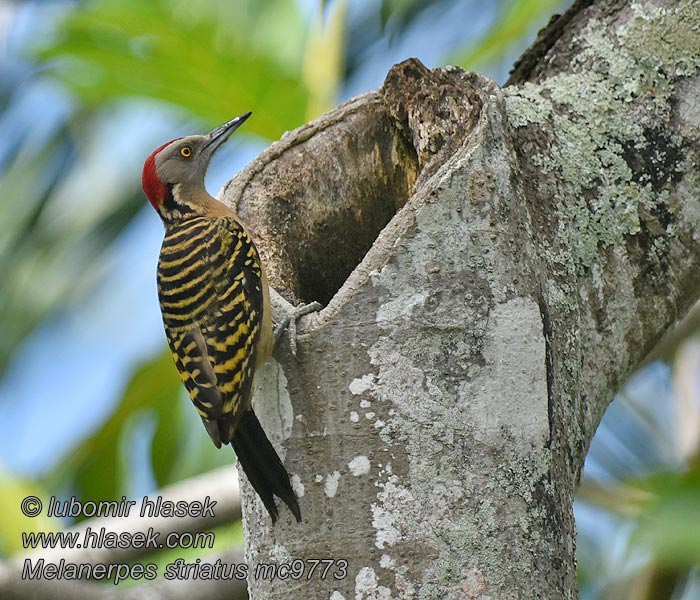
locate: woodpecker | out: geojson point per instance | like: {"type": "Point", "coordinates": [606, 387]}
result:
{"type": "Point", "coordinates": [215, 302]}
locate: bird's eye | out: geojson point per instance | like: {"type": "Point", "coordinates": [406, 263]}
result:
{"type": "Point", "coordinates": [186, 151]}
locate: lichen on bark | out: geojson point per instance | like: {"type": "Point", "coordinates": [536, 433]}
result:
{"type": "Point", "coordinates": [532, 244]}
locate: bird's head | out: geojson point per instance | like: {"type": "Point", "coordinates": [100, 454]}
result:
{"type": "Point", "coordinates": [173, 175]}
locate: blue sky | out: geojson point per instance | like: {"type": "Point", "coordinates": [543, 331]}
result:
{"type": "Point", "coordinates": [65, 378]}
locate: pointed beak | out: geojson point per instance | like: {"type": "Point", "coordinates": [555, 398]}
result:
{"type": "Point", "coordinates": [218, 136]}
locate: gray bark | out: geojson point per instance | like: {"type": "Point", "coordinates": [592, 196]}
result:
{"type": "Point", "coordinates": [495, 262]}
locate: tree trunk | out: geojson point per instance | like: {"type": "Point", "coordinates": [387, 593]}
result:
{"type": "Point", "coordinates": [495, 262]}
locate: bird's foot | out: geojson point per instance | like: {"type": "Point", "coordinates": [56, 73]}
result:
{"type": "Point", "coordinates": [289, 323]}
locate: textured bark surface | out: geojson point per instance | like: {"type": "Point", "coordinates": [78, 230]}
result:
{"type": "Point", "coordinates": [312, 202]}
{"type": "Point", "coordinates": [520, 251]}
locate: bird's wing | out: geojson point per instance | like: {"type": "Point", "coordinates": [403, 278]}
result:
{"type": "Point", "coordinates": [189, 350]}
{"type": "Point", "coordinates": [215, 347]}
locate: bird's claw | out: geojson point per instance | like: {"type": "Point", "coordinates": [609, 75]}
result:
{"type": "Point", "coordinates": [289, 322]}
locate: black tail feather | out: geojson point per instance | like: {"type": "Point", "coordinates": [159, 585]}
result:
{"type": "Point", "coordinates": [262, 466]}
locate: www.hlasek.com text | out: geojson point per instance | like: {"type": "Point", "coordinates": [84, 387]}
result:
{"type": "Point", "coordinates": [103, 538]}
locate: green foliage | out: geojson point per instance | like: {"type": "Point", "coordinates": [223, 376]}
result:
{"type": "Point", "coordinates": [514, 22]}
{"type": "Point", "coordinates": [50, 246]}
{"type": "Point", "coordinates": [12, 522]}
{"type": "Point", "coordinates": [29, 251]}
{"type": "Point", "coordinates": [99, 466]}
{"type": "Point", "coordinates": [202, 56]}
{"type": "Point", "coordinates": [212, 60]}
{"type": "Point", "coordinates": [398, 15]}
{"type": "Point", "coordinates": [669, 522]}
{"type": "Point", "coordinates": [323, 59]}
